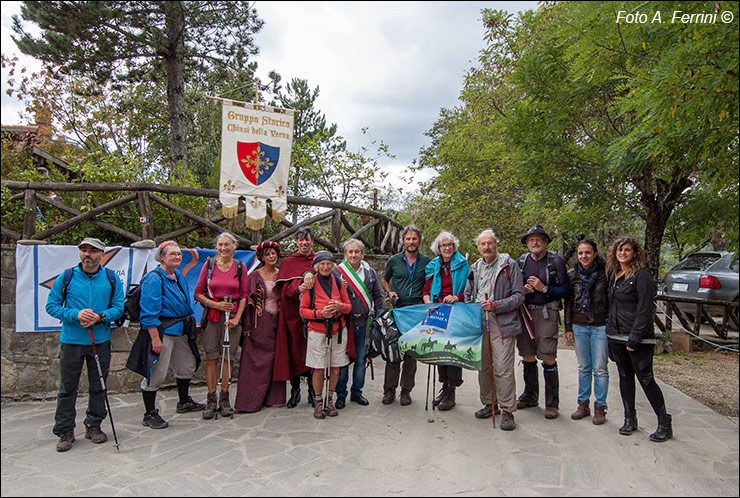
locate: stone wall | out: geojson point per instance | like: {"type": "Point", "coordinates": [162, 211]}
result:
{"type": "Point", "coordinates": [30, 365]}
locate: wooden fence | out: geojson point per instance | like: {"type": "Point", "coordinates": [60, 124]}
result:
{"type": "Point", "coordinates": [729, 315]}
{"type": "Point", "coordinates": [384, 230]}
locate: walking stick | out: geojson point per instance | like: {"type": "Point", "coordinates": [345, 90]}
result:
{"type": "Point", "coordinates": [225, 349]}
{"type": "Point", "coordinates": [490, 364]}
{"type": "Point", "coordinates": [105, 391]}
{"type": "Point", "coordinates": [327, 371]}
{"type": "Point", "coordinates": [426, 406]}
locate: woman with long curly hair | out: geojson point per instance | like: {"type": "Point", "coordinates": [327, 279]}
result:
{"type": "Point", "coordinates": [631, 334]}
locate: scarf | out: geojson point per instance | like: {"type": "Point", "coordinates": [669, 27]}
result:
{"type": "Point", "coordinates": [588, 279]}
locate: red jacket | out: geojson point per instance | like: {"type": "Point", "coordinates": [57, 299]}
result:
{"type": "Point", "coordinates": [321, 300]}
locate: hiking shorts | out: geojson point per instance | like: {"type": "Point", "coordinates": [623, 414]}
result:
{"type": "Point", "coordinates": [213, 339]}
{"type": "Point", "coordinates": [316, 350]}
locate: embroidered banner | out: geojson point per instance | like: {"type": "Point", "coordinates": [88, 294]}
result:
{"type": "Point", "coordinates": [255, 159]}
{"type": "Point", "coordinates": [37, 267]}
{"type": "Point", "coordinates": [441, 334]}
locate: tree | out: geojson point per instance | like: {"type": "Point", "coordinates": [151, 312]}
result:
{"type": "Point", "coordinates": [127, 42]}
{"type": "Point", "coordinates": [638, 114]}
{"type": "Point", "coordinates": [311, 135]}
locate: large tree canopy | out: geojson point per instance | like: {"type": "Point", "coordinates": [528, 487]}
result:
{"type": "Point", "coordinates": [602, 124]}
{"type": "Point", "coordinates": [143, 41]}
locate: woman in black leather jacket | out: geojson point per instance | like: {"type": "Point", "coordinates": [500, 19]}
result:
{"type": "Point", "coordinates": [631, 335]}
{"type": "Point", "coordinates": [585, 314]}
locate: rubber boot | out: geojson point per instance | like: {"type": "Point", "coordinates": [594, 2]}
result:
{"type": "Point", "coordinates": [295, 391]}
{"type": "Point", "coordinates": [530, 396]}
{"type": "Point", "coordinates": [224, 405]}
{"type": "Point", "coordinates": [665, 428]}
{"type": "Point", "coordinates": [211, 406]}
{"type": "Point", "coordinates": [552, 390]}
{"type": "Point", "coordinates": [630, 420]}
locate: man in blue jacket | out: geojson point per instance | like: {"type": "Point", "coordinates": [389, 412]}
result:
{"type": "Point", "coordinates": [90, 298]}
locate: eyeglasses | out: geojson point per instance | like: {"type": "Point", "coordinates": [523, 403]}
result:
{"type": "Point", "coordinates": [446, 246]}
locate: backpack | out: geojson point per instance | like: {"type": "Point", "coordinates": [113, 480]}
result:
{"type": "Point", "coordinates": [552, 272]}
{"type": "Point", "coordinates": [211, 262]}
{"type": "Point", "coordinates": [384, 337]}
{"type": "Point", "coordinates": [67, 278]}
{"type": "Point", "coordinates": [312, 292]}
{"type": "Point", "coordinates": [131, 305]}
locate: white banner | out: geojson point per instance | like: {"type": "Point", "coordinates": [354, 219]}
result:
{"type": "Point", "coordinates": [37, 267]}
{"type": "Point", "coordinates": [255, 160]}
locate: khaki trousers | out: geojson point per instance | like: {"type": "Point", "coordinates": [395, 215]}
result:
{"type": "Point", "coordinates": [393, 372]}
{"type": "Point", "coordinates": [503, 371]}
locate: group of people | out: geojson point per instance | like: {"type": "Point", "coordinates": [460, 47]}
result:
{"type": "Point", "coordinates": [310, 318]}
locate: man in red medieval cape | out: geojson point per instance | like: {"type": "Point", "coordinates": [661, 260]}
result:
{"type": "Point", "coordinates": [290, 346]}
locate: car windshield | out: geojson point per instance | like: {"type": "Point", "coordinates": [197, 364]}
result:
{"type": "Point", "coordinates": [698, 262]}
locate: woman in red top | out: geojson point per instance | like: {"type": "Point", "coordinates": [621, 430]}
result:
{"type": "Point", "coordinates": [330, 302]}
{"type": "Point", "coordinates": [210, 294]}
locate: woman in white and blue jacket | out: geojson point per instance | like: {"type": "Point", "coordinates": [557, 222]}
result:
{"type": "Point", "coordinates": [447, 275]}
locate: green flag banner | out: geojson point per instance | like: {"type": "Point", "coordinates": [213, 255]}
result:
{"type": "Point", "coordinates": [441, 334]}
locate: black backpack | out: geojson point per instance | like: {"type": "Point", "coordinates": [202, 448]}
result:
{"type": "Point", "coordinates": [552, 272]}
{"type": "Point", "coordinates": [384, 337]}
{"type": "Point", "coordinates": [132, 306]}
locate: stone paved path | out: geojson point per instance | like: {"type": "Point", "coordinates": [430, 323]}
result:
{"type": "Point", "coordinates": [376, 450]}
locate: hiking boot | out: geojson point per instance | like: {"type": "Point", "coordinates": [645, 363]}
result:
{"type": "Point", "coordinates": [224, 405]}
{"type": "Point", "coordinates": [311, 394]}
{"type": "Point", "coordinates": [526, 401]}
{"type": "Point", "coordinates": [448, 403]}
{"type": "Point", "coordinates": [189, 406]}
{"type": "Point", "coordinates": [507, 421]}
{"type": "Point", "coordinates": [153, 420]}
{"type": "Point", "coordinates": [211, 406]}
{"type": "Point", "coordinates": [665, 429]}
{"type": "Point", "coordinates": [318, 411]}
{"type": "Point", "coordinates": [66, 440]}
{"type": "Point", "coordinates": [389, 397]}
{"type": "Point", "coordinates": [551, 412]}
{"type": "Point", "coordinates": [331, 410]}
{"type": "Point", "coordinates": [341, 403]}
{"type": "Point", "coordinates": [405, 398]}
{"type": "Point", "coordinates": [599, 414]}
{"type": "Point", "coordinates": [95, 435]}
{"type": "Point", "coordinates": [484, 412]}
{"type": "Point", "coordinates": [582, 411]}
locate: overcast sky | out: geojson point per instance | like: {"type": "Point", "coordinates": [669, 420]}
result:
{"type": "Point", "coordinates": [388, 66]}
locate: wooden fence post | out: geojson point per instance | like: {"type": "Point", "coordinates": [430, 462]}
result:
{"type": "Point", "coordinates": [29, 214]}
{"type": "Point", "coordinates": [146, 218]}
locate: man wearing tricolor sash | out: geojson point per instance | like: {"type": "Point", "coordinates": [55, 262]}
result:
{"type": "Point", "coordinates": [364, 294]}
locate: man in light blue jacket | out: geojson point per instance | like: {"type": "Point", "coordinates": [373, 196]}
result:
{"type": "Point", "coordinates": [86, 298]}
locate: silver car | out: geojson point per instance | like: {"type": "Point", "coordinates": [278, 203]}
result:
{"type": "Point", "coordinates": [711, 275]}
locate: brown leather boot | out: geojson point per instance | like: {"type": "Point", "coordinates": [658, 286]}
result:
{"type": "Point", "coordinates": [318, 408]}
{"type": "Point", "coordinates": [211, 406]}
{"type": "Point", "coordinates": [224, 405]}
{"type": "Point", "coordinates": [599, 414]}
{"type": "Point", "coordinates": [582, 411]}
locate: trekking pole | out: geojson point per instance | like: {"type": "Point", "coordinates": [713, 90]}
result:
{"type": "Point", "coordinates": [105, 391]}
{"type": "Point", "coordinates": [225, 349]}
{"type": "Point", "coordinates": [434, 385]}
{"type": "Point", "coordinates": [426, 406]}
{"type": "Point", "coordinates": [490, 364]}
{"type": "Point", "coordinates": [327, 371]}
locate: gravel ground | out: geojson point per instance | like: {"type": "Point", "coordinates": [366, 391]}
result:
{"type": "Point", "coordinates": [709, 377]}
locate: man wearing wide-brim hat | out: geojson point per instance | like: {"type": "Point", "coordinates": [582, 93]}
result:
{"type": "Point", "coordinates": [545, 286]}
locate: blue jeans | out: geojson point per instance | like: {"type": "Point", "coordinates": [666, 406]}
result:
{"type": "Point", "coordinates": [358, 369]}
{"type": "Point", "coordinates": [592, 351]}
